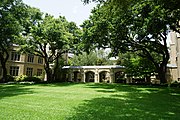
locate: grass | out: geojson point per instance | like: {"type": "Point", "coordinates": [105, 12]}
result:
{"type": "Point", "coordinates": [68, 101]}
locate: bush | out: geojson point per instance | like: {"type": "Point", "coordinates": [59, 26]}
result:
{"type": "Point", "coordinates": [10, 78]}
{"type": "Point", "coordinates": [121, 80]}
{"type": "Point", "coordinates": [20, 78]}
{"type": "Point", "coordinates": [32, 79]}
{"type": "Point", "coordinates": [175, 84]}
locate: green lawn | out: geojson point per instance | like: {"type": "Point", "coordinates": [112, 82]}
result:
{"type": "Point", "coordinates": [68, 101]}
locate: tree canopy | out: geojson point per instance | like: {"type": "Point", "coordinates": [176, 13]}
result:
{"type": "Point", "coordinates": [140, 26]}
{"type": "Point", "coordinates": [49, 38]}
{"type": "Point", "coordinates": [38, 33]}
{"type": "Point", "coordinates": [136, 66]}
{"type": "Point", "coordinates": [13, 14]}
{"type": "Point", "coordinates": [98, 57]}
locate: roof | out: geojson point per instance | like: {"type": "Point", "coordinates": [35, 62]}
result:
{"type": "Point", "coordinates": [171, 66]}
{"type": "Point", "coordinates": [100, 67]}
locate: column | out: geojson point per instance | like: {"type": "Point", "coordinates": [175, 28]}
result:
{"type": "Point", "coordinates": [129, 80]}
{"type": "Point", "coordinates": [45, 77]}
{"type": "Point", "coordinates": [111, 77]}
{"type": "Point", "coordinates": [70, 76]}
{"type": "Point", "coordinates": [96, 79]}
{"type": "Point", "coordinates": [83, 77]}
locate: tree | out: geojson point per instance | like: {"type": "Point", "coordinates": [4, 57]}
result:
{"type": "Point", "coordinates": [74, 47]}
{"type": "Point", "coordinates": [49, 39]}
{"type": "Point", "coordinates": [85, 59]}
{"type": "Point", "coordinates": [136, 66]}
{"type": "Point", "coordinates": [12, 16]}
{"type": "Point", "coordinates": [140, 26]}
{"type": "Point", "coordinates": [98, 57]}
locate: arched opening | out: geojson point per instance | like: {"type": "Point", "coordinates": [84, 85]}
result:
{"type": "Point", "coordinates": [77, 76]}
{"type": "Point", "coordinates": [120, 77]}
{"type": "Point", "coordinates": [89, 76]}
{"type": "Point", "coordinates": [104, 76]}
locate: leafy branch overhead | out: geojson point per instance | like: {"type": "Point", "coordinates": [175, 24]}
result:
{"type": "Point", "coordinates": [139, 26]}
{"type": "Point", "coordinates": [13, 14]}
{"type": "Point", "coordinates": [51, 37]}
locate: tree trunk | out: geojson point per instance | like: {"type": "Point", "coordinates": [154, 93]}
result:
{"type": "Point", "coordinates": [162, 74]}
{"type": "Point", "coordinates": [148, 79]}
{"type": "Point", "coordinates": [48, 71]}
{"type": "Point", "coordinates": [3, 59]}
{"type": "Point", "coordinates": [4, 79]}
{"type": "Point", "coordinates": [55, 74]}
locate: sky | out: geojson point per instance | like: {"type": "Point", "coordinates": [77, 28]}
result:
{"type": "Point", "coordinates": [73, 10]}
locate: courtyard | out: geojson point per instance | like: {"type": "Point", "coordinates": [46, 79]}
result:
{"type": "Point", "coordinates": [90, 101]}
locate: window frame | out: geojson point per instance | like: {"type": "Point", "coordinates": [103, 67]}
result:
{"type": "Point", "coordinates": [30, 58]}
{"type": "Point", "coordinates": [14, 70]}
{"type": "Point", "coordinates": [39, 72]}
{"type": "Point", "coordinates": [40, 60]}
{"type": "Point", "coordinates": [29, 71]}
{"type": "Point", "coordinates": [15, 56]}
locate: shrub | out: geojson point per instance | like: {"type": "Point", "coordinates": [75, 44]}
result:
{"type": "Point", "coordinates": [175, 84]}
{"type": "Point", "coordinates": [121, 80]}
{"type": "Point", "coordinates": [20, 78]}
{"type": "Point", "coordinates": [32, 79]}
{"type": "Point", "coordinates": [10, 78]}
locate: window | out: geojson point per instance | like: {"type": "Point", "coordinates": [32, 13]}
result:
{"type": "Point", "coordinates": [30, 58]}
{"type": "Point", "coordinates": [39, 72]}
{"type": "Point", "coordinates": [15, 56]}
{"type": "Point", "coordinates": [14, 70]}
{"type": "Point", "coordinates": [29, 71]}
{"type": "Point", "coordinates": [40, 60]}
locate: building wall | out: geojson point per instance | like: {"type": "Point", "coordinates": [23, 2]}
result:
{"type": "Point", "coordinates": [173, 48]}
{"type": "Point", "coordinates": [23, 63]}
{"type": "Point", "coordinates": [173, 72]}
{"type": "Point", "coordinates": [96, 70]}
{"type": "Point", "coordinates": [178, 56]}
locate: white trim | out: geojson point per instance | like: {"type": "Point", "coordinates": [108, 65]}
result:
{"type": "Point", "coordinates": [171, 66]}
{"type": "Point", "coordinates": [93, 67]}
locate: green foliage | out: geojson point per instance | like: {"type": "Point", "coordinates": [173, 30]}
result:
{"type": "Point", "coordinates": [175, 84]}
{"type": "Point", "coordinates": [25, 78]}
{"type": "Point", "coordinates": [13, 14]}
{"type": "Point", "coordinates": [32, 79]}
{"type": "Point", "coordinates": [76, 45]}
{"type": "Point", "coordinates": [140, 26]}
{"type": "Point", "coordinates": [49, 38]}
{"type": "Point", "coordinates": [93, 58]}
{"type": "Point", "coordinates": [20, 78]}
{"type": "Point", "coordinates": [136, 66]}
{"type": "Point", "coordinates": [10, 78]}
{"type": "Point", "coordinates": [84, 59]}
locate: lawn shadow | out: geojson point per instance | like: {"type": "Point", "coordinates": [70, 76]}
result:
{"type": "Point", "coordinates": [57, 84]}
{"type": "Point", "coordinates": [130, 103]}
{"type": "Point", "coordinates": [10, 90]}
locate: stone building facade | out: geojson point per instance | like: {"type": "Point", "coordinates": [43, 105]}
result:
{"type": "Point", "coordinates": [23, 64]}
{"type": "Point", "coordinates": [173, 71]}
{"type": "Point", "coordinates": [97, 74]}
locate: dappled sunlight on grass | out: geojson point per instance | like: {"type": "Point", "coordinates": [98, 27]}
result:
{"type": "Point", "coordinates": [130, 102]}
{"type": "Point", "coordinates": [90, 101]}
{"type": "Point", "coordinates": [13, 90]}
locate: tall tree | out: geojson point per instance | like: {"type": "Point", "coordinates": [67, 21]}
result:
{"type": "Point", "coordinates": [12, 16]}
{"type": "Point", "coordinates": [136, 66]}
{"type": "Point", "coordinates": [140, 26]}
{"type": "Point", "coordinates": [84, 59]}
{"type": "Point", "coordinates": [48, 39]}
{"type": "Point", "coordinates": [74, 46]}
{"type": "Point", "coordinates": [98, 57]}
